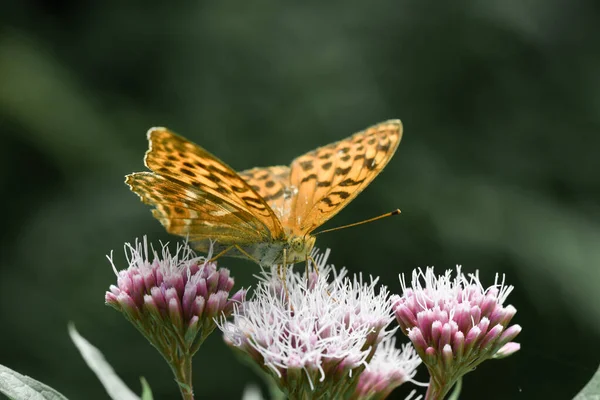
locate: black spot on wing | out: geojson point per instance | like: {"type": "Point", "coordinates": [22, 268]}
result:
{"type": "Point", "coordinates": [342, 195]}
{"type": "Point", "coordinates": [342, 171]}
{"type": "Point", "coordinates": [167, 191]}
{"type": "Point", "coordinates": [213, 178]}
{"type": "Point", "coordinates": [308, 178]}
{"type": "Point", "coordinates": [239, 189]}
{"type": "Point", "coordinates": [187, 172]}
{"type": "Point", "coordinates": [306, 165]}
{"type": "Point", "coordinates": [179, 210]}
{"type": "Point", "coordinates": [350, 182]}
{"type": "Point", "coordinates": [327, 201]}
{"type": "Point", "coordinates": [330, 202]}
{"type": "Point", "coordinates": [370, 164]}
{"type": "Point", "coordinates": [383, 147]}
{"type": "Point", "coordinates": [223, 172]}
{"type": "Point", "coordinates": [251, 201]}
{"type": "Point", "coordinates": [274, 196]}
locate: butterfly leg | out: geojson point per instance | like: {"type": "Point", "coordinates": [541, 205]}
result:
{"type": "Point", "coordinates": [312, 260]}
{"type": "Point", "coordinates": [238, 248]}
{"type": "Point", "coordinates": [283, 276]}
{"type": "Point", "coordinates": [314, 263]}
{"type": "Point", "coordinates": [244, 252]}
{"type": "Point", "coordinates": [306, 268]}
{"type": "Point", "coordinates": [222, 253]}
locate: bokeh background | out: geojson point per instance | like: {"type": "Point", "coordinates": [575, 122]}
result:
{"type": "Point", "coordinates": [498, 169]}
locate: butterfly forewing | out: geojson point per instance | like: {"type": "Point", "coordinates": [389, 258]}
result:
{"type": "Point", "coordinates": [180, 160]}
{"type": "Point", "coordinates": [328, 178]}
{"type": "Point", "coordinates": [188, 211]}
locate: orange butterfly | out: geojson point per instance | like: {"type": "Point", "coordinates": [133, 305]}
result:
{"type": "Point", "coordinates": [263, 214]}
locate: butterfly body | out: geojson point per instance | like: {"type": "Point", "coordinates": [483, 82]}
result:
{"type": "Point", "coordinates": [265, 254]}
{"type": "Point", "coordinates": [264, 214]}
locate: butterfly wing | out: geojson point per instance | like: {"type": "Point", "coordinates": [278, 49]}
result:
{"type": "Point", "coordinates": [190, 166]}
{"type": "Point", "coordinates": [192, 212]}
{"type": "Point", "coordinates": [328, 178]}
{"type": "Point", "coordinates": [272, 184]}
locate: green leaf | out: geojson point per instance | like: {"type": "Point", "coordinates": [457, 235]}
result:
{"type": "Point", "coordinates": [591, 391]}
{"type": "Point", "coordinates": [114, 386]}
{"type": "Point", "coordinates": [146, 391]}
{"type": "Point", "coordinates": [252, 392]}
{"type": "Point", "coordinates": [22, 387]}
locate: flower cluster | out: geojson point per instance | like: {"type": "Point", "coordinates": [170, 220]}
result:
{"type": "Point", "coordinates": [173, 299]}
{"type": "Point", "coordinates": [313, 337]}
{"type": "Point", "coordinates": [455, 324]}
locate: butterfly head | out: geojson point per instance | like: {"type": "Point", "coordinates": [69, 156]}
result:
{"type": "Point", "coordinates": [299, 247]}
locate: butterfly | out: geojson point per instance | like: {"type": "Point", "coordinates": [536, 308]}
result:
{"type": "Point", "coordinates": [268, 214]}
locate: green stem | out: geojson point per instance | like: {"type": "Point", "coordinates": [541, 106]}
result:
{"type": "Point", "coordinates": [437, 390]}
{"type": "Point", "coordinates": [182, 369]}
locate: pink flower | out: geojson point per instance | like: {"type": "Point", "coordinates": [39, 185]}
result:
{"type": "Point", "coordinates": [174, 299]}
{"type": "Point", "coordinates": [455, 324]}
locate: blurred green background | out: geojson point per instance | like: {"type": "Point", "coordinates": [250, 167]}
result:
{"type": "Point", "coordinates": [498, 169]}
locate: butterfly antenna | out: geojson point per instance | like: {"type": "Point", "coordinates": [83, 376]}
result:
{"type": "Point", "coordinates": [389, 214]}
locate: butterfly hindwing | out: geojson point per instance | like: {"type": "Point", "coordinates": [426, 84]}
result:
{"type": "Point", "coordinates": [272, 184]}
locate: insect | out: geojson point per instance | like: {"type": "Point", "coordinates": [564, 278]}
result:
{"type": "Point", "coordinates": [268, 214]}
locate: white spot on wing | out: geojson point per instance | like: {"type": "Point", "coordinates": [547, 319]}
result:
{"type": "Point", "coordinates": [289, 192]}
{"type": "Point", "coordinates": [191, 194]}
{"type": "Point", "coordinates": [219, 213]}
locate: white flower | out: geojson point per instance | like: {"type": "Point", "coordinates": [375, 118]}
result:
{"type": "Point", "coordinates": [316, 338]}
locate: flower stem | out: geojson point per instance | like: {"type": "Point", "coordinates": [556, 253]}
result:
{"type": "Point", "coordinates": [438, 390]}
{"type": "Point", "coordinates": [182, 369]}
{"type": "Point", "coordinates": [435, 391]}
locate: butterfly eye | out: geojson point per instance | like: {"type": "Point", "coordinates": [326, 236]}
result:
{"type": "Point", "coordinates": [297, 243]}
